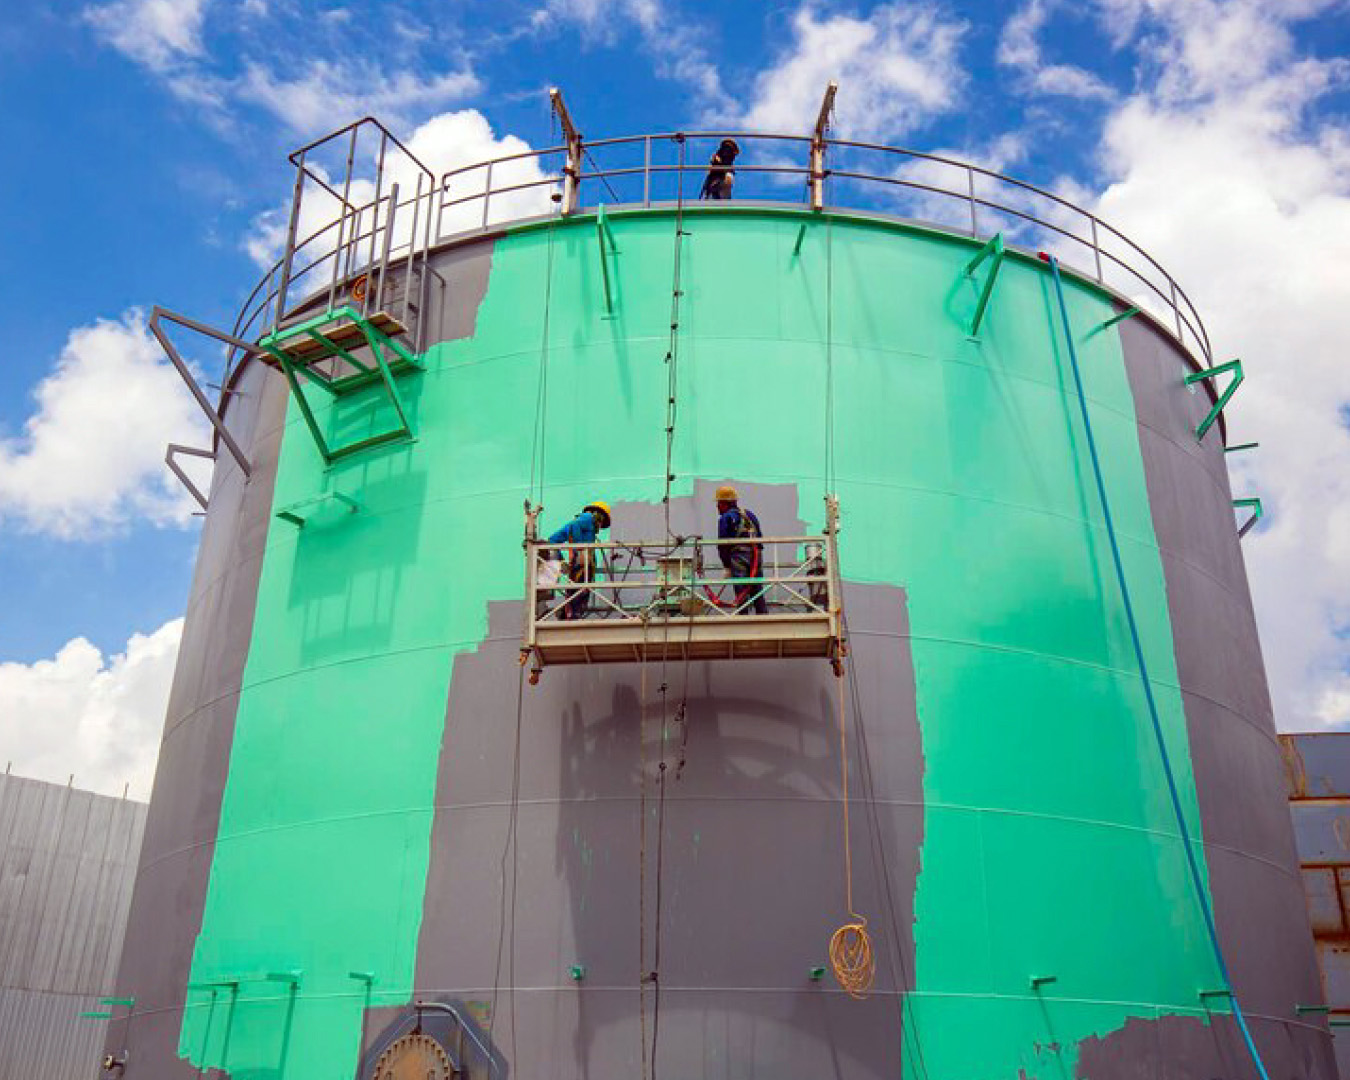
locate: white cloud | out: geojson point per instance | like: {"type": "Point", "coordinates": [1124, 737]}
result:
{"type": "Point", "coordinates": [328, 94]}
{"type": "Point", "coordinates": [449, 141]}
{"type": "Point", "coordinates": [896, 68]}
{"type": "Point", "coordinates": [1224, 172]}
{"type": "Point", "coordinates": [99, 717]}
{"type": "Point", "coordinates": [91, 456]}
{"type": "Point", "coordinates": [1019, 48]}
{"type": "Point", "coordinates": [156, 33]}
{"type": "Point", "coordinates": [672, 41]}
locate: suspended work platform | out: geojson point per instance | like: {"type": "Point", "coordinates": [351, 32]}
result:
{"type": "Point", "coordinates": [631, 602]}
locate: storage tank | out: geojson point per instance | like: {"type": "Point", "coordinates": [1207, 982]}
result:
{"type": "Point", "coordinates": [385, 841]}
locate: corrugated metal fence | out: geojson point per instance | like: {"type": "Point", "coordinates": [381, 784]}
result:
{"type": "Point", "coordinates": [67, 863]}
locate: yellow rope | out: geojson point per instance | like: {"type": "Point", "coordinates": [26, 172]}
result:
{"type": "Point", "coordinates": [851, 954]}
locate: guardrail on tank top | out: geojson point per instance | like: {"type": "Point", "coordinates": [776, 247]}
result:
{"type": "Point", "coordinates": [382, 223]}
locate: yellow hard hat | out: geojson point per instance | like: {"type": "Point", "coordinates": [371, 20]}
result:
{"type": "Point", "coordinates": [603, 507]}
{"type": "Point", "coordinates": [726, 493]}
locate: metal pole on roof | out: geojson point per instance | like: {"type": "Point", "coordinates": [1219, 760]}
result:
{"type": "Point", "coordinates": [818, 147]}
{"type": "Point", "coordinates": [572, 137]}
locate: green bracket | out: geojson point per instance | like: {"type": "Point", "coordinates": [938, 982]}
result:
{"type": "Point", "coordinates": [578, 972]}
{"type": "Point", "coordinates": [993, 249]}
{"type": "Point", "coordinates": [1253, 504]}
{"type": "Point", "coordinates": [362, 976]}
{"type": "Point", "coordinates": [1215, 994]}
{"type": "Point", "coordinates": [604, 232]}
{"type": "Point", "coordinates": [215, 984]}
{"type": "Point", "coordinates": [385, 372]}
{"type": "Point", "coordinates": [1241, 446]}
{"type": "Point", "coordinates": [292, 978]}
{"type": "Point", "coordinates": [95, 1015]}
{"type": "Point", "coordinates": [1130, 313]}
{"type": "Point", "coordinates": [1037, 981]}
{"type": "Point", "coordinates": [127, 1003]}
{"type": "Point", "coordinates": [816, 973]}
{"type": "Point", "coordinates": [298, 513]}
{"type": "Point", "coordinates": [1320, 1010]}
{"type": "Point", "coordinates": [797, 244]}
{"type": "Point", "coordinates": [1235, 366]}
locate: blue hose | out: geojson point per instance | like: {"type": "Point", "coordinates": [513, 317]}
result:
{"type": "Point", "coordinates": [1191, 862]}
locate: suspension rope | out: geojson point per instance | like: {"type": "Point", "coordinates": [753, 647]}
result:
{"type": "Point", "coordinates": [673, 351]}
{"type": "Point", "coordinates": [603, 178]}
{"type": "Point", "coordinates": [829, 343]}
{"type": "Point", "coordinates": [642, 855]}
{"type": "Point", "coordinates": [868, 789]}
{"type": "Point", "coordinates": [851, 954]}
{"type": "Point", "coordinates": [541, 394]}
{"type": "Point", "coordinates": [829, 357]}
{"type": "Point", "coordinates": [510, 846]}
{"type": "Point", "coordinates": [1197, 881]}
{"type": "Point", "coordinates": [655, 977]}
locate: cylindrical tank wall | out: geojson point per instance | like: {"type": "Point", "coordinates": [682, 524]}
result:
{"type": "Point", "coordinates": [354, 782]}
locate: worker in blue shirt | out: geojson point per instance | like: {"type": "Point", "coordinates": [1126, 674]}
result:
{"type": "Point", "coordinates": [580, 564]}
{"type": "Point", "coordinates": [741, 560]}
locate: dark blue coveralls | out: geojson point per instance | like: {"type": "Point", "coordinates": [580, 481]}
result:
{"type": "Point", "coordinates": [743, 560]}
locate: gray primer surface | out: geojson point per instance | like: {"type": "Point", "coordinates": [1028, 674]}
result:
{"type": "Point", "coordinates": [170, 893]}
{"type": "Point", "coordinates": [746, 911]}
{"type": "Point", "coordinates": [1253, 867]}
{"type": "Point", "coordinates": [180, 832]}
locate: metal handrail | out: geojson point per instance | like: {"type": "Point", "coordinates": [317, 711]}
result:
{"type": "Point", "coordinates": [632, 579]}
{"type": "Point", "coordinates": [853, 188]}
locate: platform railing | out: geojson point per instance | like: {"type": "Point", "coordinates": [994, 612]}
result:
{"type": "Point", "coordinates": [642, 171]}
{"type": "Point", "coordinates": [623, 600]}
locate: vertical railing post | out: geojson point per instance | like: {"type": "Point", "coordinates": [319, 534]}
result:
{"type": "Point", "coordinates": [487, 193]}
{"type": "Point", "coordinates": [1176, 308]}
{"type": "Point", "coordinates": [388, 243]}
{"type": "Point", "coordinates": [970, 196]}
{"type": "Point", "coordinates": [412, 253]}
{"type": "Point", "coordinates": [342, 217]}
{"type": "Point", "coordinates": [1096, 248]}
{"type": "Point", "coordinates": [646, 170]}
{"type": "Point", "coordinates": [289, 255]}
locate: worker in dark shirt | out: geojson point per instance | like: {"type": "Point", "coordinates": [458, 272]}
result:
{"type": "Point", "coordinates": [721, 175]}
{"type": "Point", "coordinates": [580, 564]}
{"type": "Point", "coordinates": [741, 560]}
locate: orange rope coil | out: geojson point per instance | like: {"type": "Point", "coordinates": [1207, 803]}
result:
{"type": "Point", "coordinates": [852, 959]}
{"type": "Point", "coordinates": [851, 955]}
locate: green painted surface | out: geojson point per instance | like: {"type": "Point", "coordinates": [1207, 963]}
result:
{"type": "Point", "coordinates": [1049, 843]}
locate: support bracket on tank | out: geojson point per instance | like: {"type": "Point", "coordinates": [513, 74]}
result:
{"type": "Point", "coordinates": [170, 459]}
{"type": "Point", "coordinates": [994, 250]}
{"type": "Point", "coordinates": [1128, 313]}
{"type": "Point", "coordinates": [158, 316]}
{"type": "Point", "coordinates": [1235, 366]}
{"type": "Point", "coordinates": [336, 336]}
{"type": "Point", "coordinates": [307, 510]}
{"type": "Point", "coordinates": [603, 232]}
{"type": "Point", "coordinates": [1240, 447]}
{"type": "Point", "coordinates": [1253, 504]}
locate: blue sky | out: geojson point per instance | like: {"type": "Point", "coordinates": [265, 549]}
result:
{"type": "Point", "coordinates": [147, 143]}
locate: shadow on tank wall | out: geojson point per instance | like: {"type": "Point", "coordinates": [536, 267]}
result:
{"type": "Point", "coordinates": [705, 929]}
